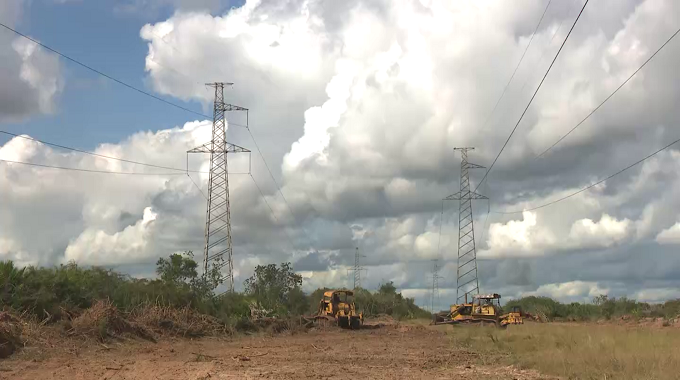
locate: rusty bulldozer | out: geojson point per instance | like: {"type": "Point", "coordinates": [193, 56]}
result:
{"type": "Point", "coordinates": [485, 309]}
{"type": "Point", "coordinates": [336, 307]}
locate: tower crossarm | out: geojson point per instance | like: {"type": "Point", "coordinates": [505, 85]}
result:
{"type": "Point", "coordinates": [208, 148]}
{"type": "Point", "coordinates": [469, 195]}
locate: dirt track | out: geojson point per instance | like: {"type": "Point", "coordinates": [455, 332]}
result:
{"type": "Point", "coordinates": [390, 352]}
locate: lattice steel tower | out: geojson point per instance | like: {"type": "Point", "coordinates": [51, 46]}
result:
{"type": "Point", "coordinates": [435, 285]}
{"type": "Point", "coordinates": [467, 281]}
{"type": "Point", "coordinates": [357, 269]}
{"type": "Point", "coordinates": [218, 220]}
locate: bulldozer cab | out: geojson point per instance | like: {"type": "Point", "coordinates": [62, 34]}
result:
{"type": "Point", "coordinates": [338, 305]}
{"type": "Point", "coordinates": [486, 304]}
{"type": "Point", "coordinates": [344, 296]}
{"type": "Point", "coordinates": [336, 300]}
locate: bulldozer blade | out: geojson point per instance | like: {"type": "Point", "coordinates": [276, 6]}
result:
{"type": "Point", "coordinates": [447, 323]}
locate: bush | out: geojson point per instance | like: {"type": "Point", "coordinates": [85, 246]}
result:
{"type": "Point", "coordinates": [603, 306]}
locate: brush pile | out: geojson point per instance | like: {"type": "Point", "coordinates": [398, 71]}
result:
{"type": "Point", "coordinates": [10, 334]}
{"type": "Point", "coordinates": [182, 322]}
{"type": "Point", "coordinates": [104, 321]}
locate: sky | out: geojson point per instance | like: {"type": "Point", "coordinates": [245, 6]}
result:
{"type": "Point", "coordinates": [356, 107]}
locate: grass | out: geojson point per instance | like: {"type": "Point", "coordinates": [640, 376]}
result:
{"type": "Point", "coordinates": [578, 351]}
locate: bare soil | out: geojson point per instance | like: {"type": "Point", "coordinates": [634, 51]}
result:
{"type": "Point", "coordinates": [382, 352]}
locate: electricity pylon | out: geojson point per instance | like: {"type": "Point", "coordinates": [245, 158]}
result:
{"type": "Point", "coordinates": [467, 280]}
{"type": "Point", "coordinates": [218, 220]}
{"type": "Point", "coordinates": [435, 284]}
{"type": "Point", "coordinates": [357, 269]}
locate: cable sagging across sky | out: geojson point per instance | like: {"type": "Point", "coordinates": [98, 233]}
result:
{"type": "Point", "coordinates": [516, 67]}
{"type": "Point", "coordinates": [610, 95]}
{"type": "Point", "coordinates": [589, 186]}
{"type": "Point", "coordinates": [532, 97]}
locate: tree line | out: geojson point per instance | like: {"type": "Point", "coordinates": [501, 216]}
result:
{"type": "Point", "coordinates": [601, 307]}
{"type": "Point", "coordinates": [55, 293]}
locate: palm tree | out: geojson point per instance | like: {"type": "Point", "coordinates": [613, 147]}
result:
{"type": "Point", "coordinates": [10, 279]}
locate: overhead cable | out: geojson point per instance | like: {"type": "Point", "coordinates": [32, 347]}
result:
{"type": "Point", "coordinates": [99, 155]}
{"type": "Point", "coordinates": [290, 240]}
{"type": "Point", "coordinates": [610, 95]}
{"type": "Point", "coordinates": [589, 186]}
{"type": "Point", "coordinates": [85, 170]}
{"type": "Point", "coordinates": [104, 74]}
{"type": "Point", "coordinates": [257, 147]}
{"type": "Point", "coordinates": [516, 67]}
{"type": "Point", "coordinates": [533, 96]}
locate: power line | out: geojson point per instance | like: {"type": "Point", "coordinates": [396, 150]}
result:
{"type": "Point", "coordinates": [589, 186]}
{"type": "Point", "coordinates": [155, 97]}
{"type": "Point", "coordinates": [549, 43]}
{"type": "Point", "coordinates": [290, 240]}
{"type": "Point", "coordinates": [486, 220]}
{"type": "Point", "coordinates": [516, 67]}
{"type": "Point", "coordinates": [257, 147]}
{"type": "Point", "coordinates": [263, 198]}
{"type": "Point", "coordinates": [610, 95]}
{"type": "Point", "coordinates": [99, 155]}
{"type": "Point", "coordinates": [533, 96]}
{"type": "Point", "coordinates": [198, 187]}
{"type": "Point", "coordinates": [85, 170]}
{"type": "Point", "coordinates": [104, 74]}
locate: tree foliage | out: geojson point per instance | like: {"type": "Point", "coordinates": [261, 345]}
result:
{"type": "Point", "coordinates": [276, 288]}
{"type": "Point", "coordinates": [602, 306]}
{"type": "Point", "coordinates": [49, 292]}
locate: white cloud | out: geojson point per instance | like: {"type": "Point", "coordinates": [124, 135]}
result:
{"type": "Point", "coordinates": [579, 291]}
{"type": "Point", "coordinates": [96, 247]}
{"type": "Point", "coordinates": [606, 232]}
{"type": "Point", "coordinates": [107, 219]}
{"type": "Point", "coordinates": [332, 278]}
{"type": "Point", "coordinates": [533, 237]}
{"type": "Point", "coordinates": [656, 294]}
{"type": "Point", "coordinates": [30, 77]}
{"type": "Point", "coordinates": [356, 106]}
{"type": "Point", "coordinates": [670, 235]}
{"type": "Point", "coordinates": [10, 250]}
{"type": "Point", "coordinates": [518, 238]}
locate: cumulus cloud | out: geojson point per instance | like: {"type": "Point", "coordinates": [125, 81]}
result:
{"type": "Point", "coordinates": [96, 247]}
{"type": "Point", "coordinates": [30, 77]}
{"type": "Point", "coordinates": [117, 219]}
{"type": "Point", "coordinates": [670, 235]}
{"type": "Point", "coordinates": [529, 237]}
{"type": "Point", "coordinates": [607, 231]}
{"type": "Point", "coordinates": [579, 291]}
{"type": "Point", "coordinates": [656, 294]}
{"type": "Point", "coordinates": [357, 106]}
{"type": "Point", "coordinates": [518, 238]}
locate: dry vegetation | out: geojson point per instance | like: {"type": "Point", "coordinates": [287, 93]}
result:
{"type": "Point", "coordinates": [103, 337]}
{"type": "Point", "coordinates": [578, 351]}
{"type": "Point", "coordinates": [65, 312]}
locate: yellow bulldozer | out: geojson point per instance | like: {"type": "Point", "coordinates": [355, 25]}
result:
{"type": "Point", "coordinates": [337, 307]}
{"type": "Point", "coordinates": [484, 309]}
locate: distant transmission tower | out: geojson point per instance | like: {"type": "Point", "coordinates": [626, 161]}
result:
{"type": "Point", "coordinates": [467, 281]}
{"type": "Point", "coordinates": [357, 269]}
{"type": "Point", "coordinates": [218, 220]}
{"type": "Point", "coordinates": [435, 284]}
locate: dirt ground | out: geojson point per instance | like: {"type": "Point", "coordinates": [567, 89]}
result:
{"type": "Point", "coordinates": [388, 352]}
